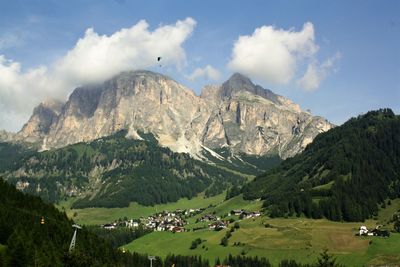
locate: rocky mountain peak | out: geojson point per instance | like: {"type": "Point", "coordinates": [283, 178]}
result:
{"type": "Point", "coordinates": [52, 104]}
{"type": "Point", "coordinates": [238, 82]}
{"type": "Point", "coordinates": [43, 116]}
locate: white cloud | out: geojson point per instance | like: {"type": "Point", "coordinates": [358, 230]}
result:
{"type": "Point", "coordinates": [94, 58]}
{"type": "Point", "coordinates": [315, 73]}
{"type": "Point", "coordinates": [208, 72]}
{"type": "Point", "coordinates": [275, 56]}
{"type": "Point", "coordinates": [271, 54]}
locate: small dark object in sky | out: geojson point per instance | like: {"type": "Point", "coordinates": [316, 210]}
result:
{"type": "Point", "coordinates": [159, 58]}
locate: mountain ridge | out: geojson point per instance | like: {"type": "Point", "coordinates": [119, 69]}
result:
{"type": "Point", "coordinates": [238, 114]}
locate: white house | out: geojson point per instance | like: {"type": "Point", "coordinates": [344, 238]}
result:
{"type": "Point", "coordinates": [363, 230]}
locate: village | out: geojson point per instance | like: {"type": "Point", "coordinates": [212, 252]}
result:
{"type": "Point", "coordinates": [175, 221]}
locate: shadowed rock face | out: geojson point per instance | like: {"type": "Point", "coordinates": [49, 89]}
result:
{"type": "Point", "coordinates": [83, 102]}
{"type": "Point", "coordinates": [238, 82]}
{"type": "Point", "coordinates": [237, 114]}
{"type": "Point", "coordinates": [38, 126]}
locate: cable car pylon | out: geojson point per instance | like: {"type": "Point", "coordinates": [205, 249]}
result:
{"type": "Point", "coordinates": [73, 241]}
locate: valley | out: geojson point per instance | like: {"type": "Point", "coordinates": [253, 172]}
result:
{"type": "Point", "coordinates": [298, 238]}
{"type": "Point", "coordinates": [257, 177]}
{"type": "Point", "coordinates": [199, 133]}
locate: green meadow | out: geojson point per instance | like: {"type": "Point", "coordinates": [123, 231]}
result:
{"type": "Point", "coordinates": [301, 239]}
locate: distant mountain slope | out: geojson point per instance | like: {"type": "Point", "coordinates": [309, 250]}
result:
{"type": "Point", "coordinates": [237, 114]}
{"type": "Point", "coordinates": [114, 171]}
{"type": "Point", "coordinates": [343, 175]}
{"type": "Point", "coordinates": [11, 154]}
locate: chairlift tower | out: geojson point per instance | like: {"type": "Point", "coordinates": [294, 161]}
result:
{"type": "Point", "coordinates": [151, 259]}
{"type": "Point", "coordinates": [73, 241]}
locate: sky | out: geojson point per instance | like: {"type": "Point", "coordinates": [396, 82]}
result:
{"type": "Point", "coordinates": [337, 59]}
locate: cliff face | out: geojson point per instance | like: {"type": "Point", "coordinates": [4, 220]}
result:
{"type": "Point", "coordinates": [6, 136]}
{"type": "Point", "coordinates": [237, 114]}
{"type": "Point", "coordinates": [38, 126]}
{"type": "Point", "coordinates": [254, 120]}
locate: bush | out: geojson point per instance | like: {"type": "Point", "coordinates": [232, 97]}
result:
{"type": "Point", "coordinates": [224, 241]}
{"type": "Point", "coordinates": [195, 243]}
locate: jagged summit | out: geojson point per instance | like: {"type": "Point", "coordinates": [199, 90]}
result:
{"type": "Point", "coordinates": [238, 82]}
{"type": "Point", "coordinates": [238, 114]}
{"type": "Point", "coordinates": [43, 116]}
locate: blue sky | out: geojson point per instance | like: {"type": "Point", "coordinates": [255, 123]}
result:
{"type": "Point", "coordinates": [352, 49]}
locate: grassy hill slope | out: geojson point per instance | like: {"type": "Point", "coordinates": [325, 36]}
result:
{"type": "Point", "coordinates": [301, 239]}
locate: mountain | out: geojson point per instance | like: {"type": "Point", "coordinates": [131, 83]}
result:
{"type": "Point", "coordinates": [142, 137]}
{"type": "Point", "coordinates": [343, 175]}
{"type": "Point", "coordinates": [237, 114]}
{"type": "Point", "coordinates": [112, 172]}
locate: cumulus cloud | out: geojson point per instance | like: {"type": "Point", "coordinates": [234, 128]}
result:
{"type": "Point", "coordinates": [94, 58]}
{"type": "Point", "coordinates": [271, 54]}
{"type": "Point", "coordinates": [316, 73]}
{"type": "Point", "coordinates": [208, 72]}
{"type": "Point", "coordinates": [274, 55]}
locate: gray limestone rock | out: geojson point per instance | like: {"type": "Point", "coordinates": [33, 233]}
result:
{"type": "Point", "coordinates": [237, 114]}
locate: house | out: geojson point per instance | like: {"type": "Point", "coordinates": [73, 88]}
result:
{"type": "Point", "coordinates": [218, 225]}
{"type": "Point", "coordinates": [207, 218]}
{"type": "Point", "coordinates": [109, 226]}
{"type": "Point", "coordinates": [256, 214]}
{"type": "Point", "coordinates": [131, 224]}
{"type": "Point", "coordinates": [178, 229]}
{"type": "Point", "coordinates": [363, 230]}
{"type": "Point", "coordinates": [236, 212]}
{"type": "Point", "coordinates": [246, 214]}
{"type": "Point", "coordinates": [375, 232]}
{"type": "Point", "coordinates": [160, 228]}
{"type": "Point", "coordinates": [378, 232]}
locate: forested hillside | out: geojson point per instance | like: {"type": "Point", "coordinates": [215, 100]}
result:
{"type": "Point", "coordinates": [29, 242]}
{"type": "Point", "coordinates": [343, 175]}
{"type": "Point", "coordinates": [114, 171]}
{"type": "Point", "coordinates": [11, 154]}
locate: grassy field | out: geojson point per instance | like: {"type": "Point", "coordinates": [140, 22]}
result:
{"type": "Point", "coordinates": [300, 239]}
{"type": "Point", "coordinates": [293, 238]}
{"type": "Point", "coordinates": [104, 215]}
